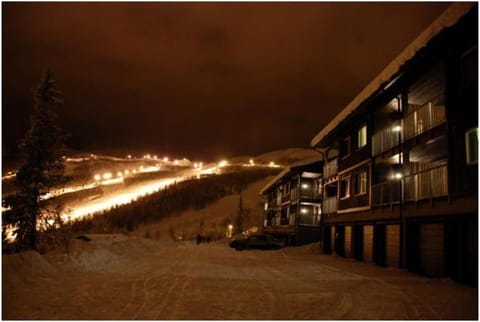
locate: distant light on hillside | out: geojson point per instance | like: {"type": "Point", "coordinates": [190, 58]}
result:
{"type": "Point", "coordinates": [273, 165]}
{"type": "Point", "coordinates": [107, 175]}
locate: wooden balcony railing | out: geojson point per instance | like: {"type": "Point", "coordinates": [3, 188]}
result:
{"type": "Point", "coordinates": [426, 184]}
{"type": "Point", "coordinates": [386, 193]}
{"type": "Point", "coordinates": [330, 205]}
{"type": "Point", "coordinates": [294, 194]}
{"type": "Point", "coordinates": [330, 169]}
{"type": "Point", "coordinates": [423, 119]}
{"type": "Point", "coordinates": [386, 139]}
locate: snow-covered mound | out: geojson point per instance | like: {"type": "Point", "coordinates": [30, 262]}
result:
{"type": "Point", "coordinates": [287, 156]}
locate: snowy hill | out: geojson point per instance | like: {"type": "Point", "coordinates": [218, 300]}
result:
{"type": "Point", "coordinates": [211, 220]}
{"type": "Point", "coordinates": [287, 156]}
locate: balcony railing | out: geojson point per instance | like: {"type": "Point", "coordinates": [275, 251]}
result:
{"type": "Point", "coordinates": [291, 219]}
{"type": "Point", "coordinates": [309, 193]}
{"type": "Point", "coordinates": [423, 119]}
{"type": "Point", "coordinates": [386, 139]}
{"type": "Point", "coordinates": [386, 193]}
{"type": "Point", "coordinates": [276, 221]}
{"type": "Point", "coordinates": [294, 194]}
{"type": "Point", "coordinates": [427, 184]}
{"type": "Point", "coordinates": [330, 205]}
{"type": "Point", "coordinates": [330, 169]}
{"type": "Point", "coordinates": [286, 197]}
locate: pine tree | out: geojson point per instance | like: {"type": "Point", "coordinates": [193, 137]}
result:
{"type": "Point", "coordinates": [43, 147]}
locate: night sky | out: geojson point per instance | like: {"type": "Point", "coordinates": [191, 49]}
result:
{"type": "Point", "coordinates": [201, 80]}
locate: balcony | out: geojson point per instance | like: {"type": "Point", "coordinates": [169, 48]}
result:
{"type": "Point", "coordinates": [386, 193]}
{"type": "Point", "coordinates": [427, 184]}
{"type": "Point", "coordinates": [286, 198]}
{"type": "Point", "coordinates": [330, 205]}
{"type": "Point", "coordinates": [423, 119]}
{"type": "Point", "coordinates": [330, 169]}
{"type": "Point", "coordinates": [294, 194]}
{"type": "Point", "coordinates": [385, 140]}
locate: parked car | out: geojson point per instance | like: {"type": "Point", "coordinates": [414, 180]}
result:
{"type": "Point", "coordinates": [260, 241]}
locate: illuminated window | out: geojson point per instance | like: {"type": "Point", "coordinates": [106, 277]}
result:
{"type": "Point", "coordinates": [361, 183]}
{"type": "Point", "coordinates": [471, 145]}
{"type": "Point", "coordinates": [345, 188]}
{"type": "Point", "coordinates": [362, 137]}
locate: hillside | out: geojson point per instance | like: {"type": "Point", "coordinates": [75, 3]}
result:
{"type": "Point", "coordinates": [211, 220]}
{"type": "Point", "coordinates": [287, 156]}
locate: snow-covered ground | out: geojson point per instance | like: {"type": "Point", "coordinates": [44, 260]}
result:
{"type": "Point", "coordinates": [122, 278]}
{"type": "Point", "coordinates": [119, 277]}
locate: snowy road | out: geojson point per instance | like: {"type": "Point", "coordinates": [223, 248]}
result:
{"type": "Point", "coordinates": [143, 279]}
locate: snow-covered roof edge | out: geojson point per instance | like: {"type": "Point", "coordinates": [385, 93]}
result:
{"type": "Point", "coordinates": [288, 169]}
{"type": "Point", "coordinates": [448, 18]}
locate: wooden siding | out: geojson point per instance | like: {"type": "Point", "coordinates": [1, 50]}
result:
{"type": "Point", "coordinates": [392, 247]}
{"type": "Point", "coordinates": [348, 242]}
{"type": "Point", "coordinates": [432, 249]}
{"type": "Point", "coordinates": [332, 239]}
{"type": "Point", "coordinates": [367, 243]}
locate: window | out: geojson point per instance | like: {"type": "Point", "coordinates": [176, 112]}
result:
{"type": "Point", "coordinates": [361, 183]}
{"type": "Point", "coordinates": [362, 137]}
{"type": "Point", "coordinates": [345, 147]}
{"type": "Point", "coordinates": [471, 145]}
{"type": "Point", "coordinates": [345, 188]}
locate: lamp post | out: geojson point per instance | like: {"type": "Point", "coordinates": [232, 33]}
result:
{"type": "Point", "coordinates": [230, 230]}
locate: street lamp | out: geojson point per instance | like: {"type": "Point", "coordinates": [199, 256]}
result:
{"type": "Point", "coordinates": [230, 230]}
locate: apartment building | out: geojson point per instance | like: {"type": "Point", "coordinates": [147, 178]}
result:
{"type": "Point", "coordinates": [400, 179]}
{"type": "Point", "coordinates": [293, 203]}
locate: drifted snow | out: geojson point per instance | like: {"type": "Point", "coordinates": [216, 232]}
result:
{"type": "Point", "coordinates": [134, 278]}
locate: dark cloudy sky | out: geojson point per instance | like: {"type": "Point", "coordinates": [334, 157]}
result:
{"type": "Point", "coordinates": [198, 79]}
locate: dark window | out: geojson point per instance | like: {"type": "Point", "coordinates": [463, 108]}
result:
{"type": "Point", "coordinates": [331, 190]}
{"type": "Point", "coordinates": [345, 147]}
{"type": "Point", "coordinates": [293, 209]}
{"type": "Point", "coordinates": [345, 188]}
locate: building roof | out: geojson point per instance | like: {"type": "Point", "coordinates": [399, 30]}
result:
{"type": "Point", "coordinates": [448, 18]}
{"type": "Point", "coordinates": [288, 169]}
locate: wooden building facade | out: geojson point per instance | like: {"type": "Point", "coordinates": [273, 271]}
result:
{"type": "Point", "coordinates": [401, 160]}
{"type": "Point", "coordinates": [293, 199]}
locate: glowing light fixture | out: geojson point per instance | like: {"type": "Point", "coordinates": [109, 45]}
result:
{"type": "Point", "coordinates": [397, 128]}
{"type": "Point", "coordinates": [397, 176]}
